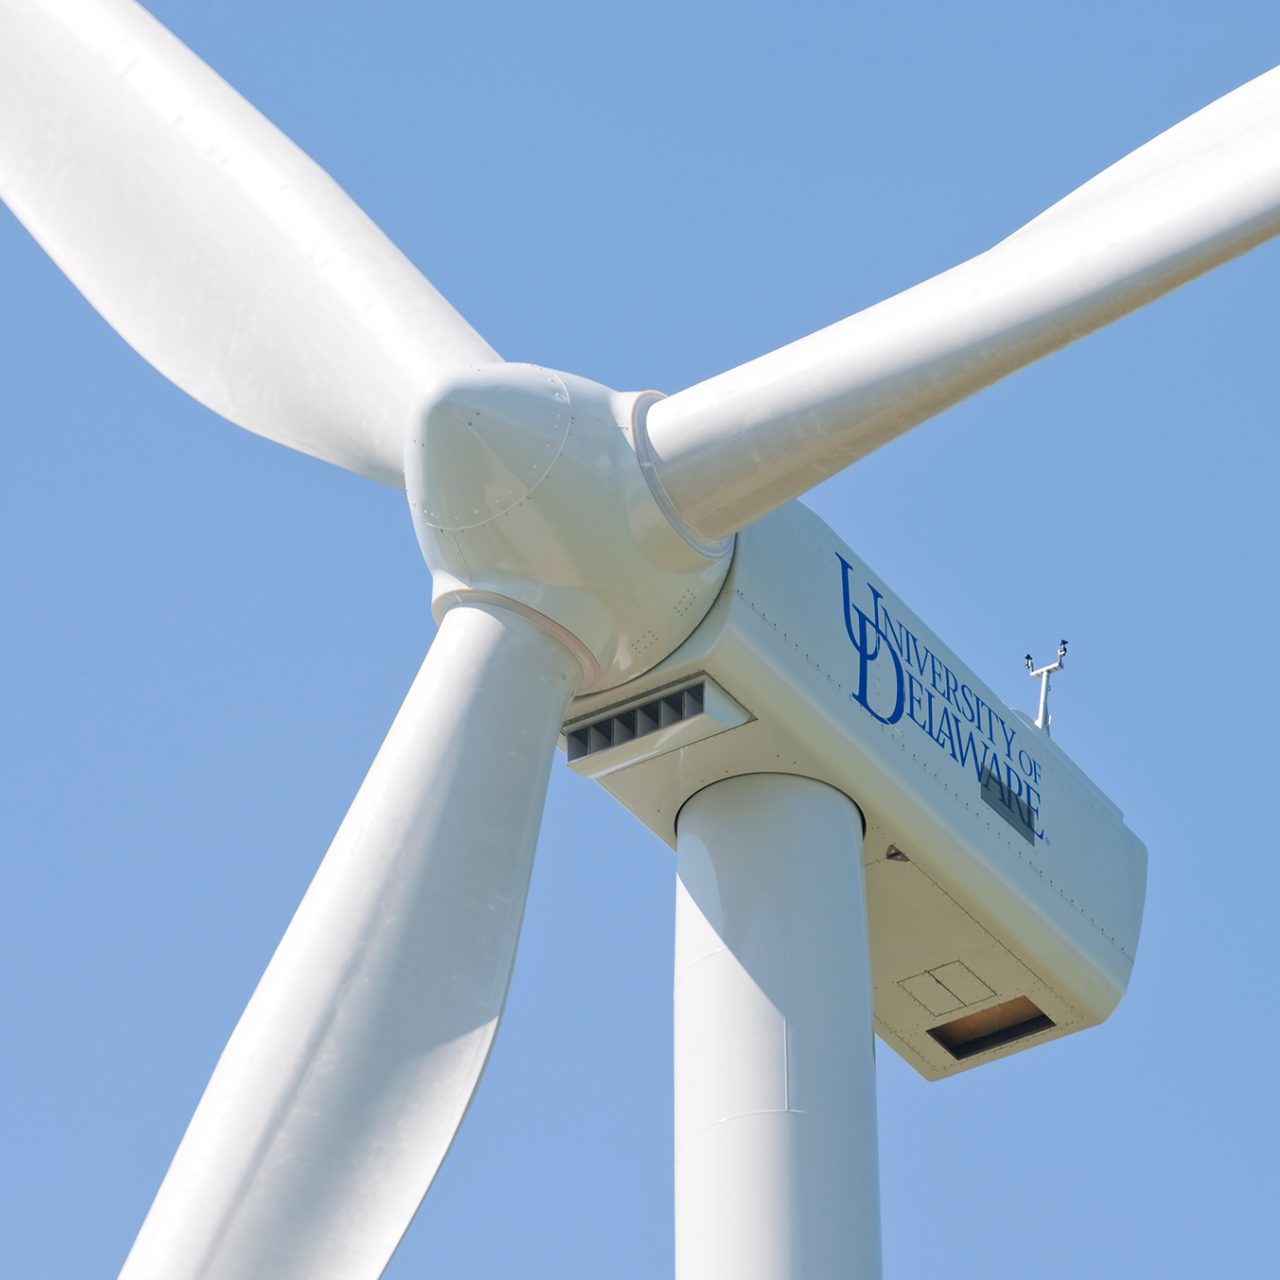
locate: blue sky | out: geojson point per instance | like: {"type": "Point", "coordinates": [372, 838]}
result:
{"type": "Point", "coordinates": [205, 636]}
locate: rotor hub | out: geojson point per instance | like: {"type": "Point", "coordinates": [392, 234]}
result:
{"type": "Point", "coordinates": [525, 491]}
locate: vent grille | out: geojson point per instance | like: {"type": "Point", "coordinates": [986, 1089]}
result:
{"type": "Point", "coordinates": [636, 722]}
{"type": "Point", "coordinates": [656, 723]}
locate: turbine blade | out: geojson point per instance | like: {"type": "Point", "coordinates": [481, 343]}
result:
{"type": "Point", "coordinates": [338, 1095]}
{"type": "Point", "coordinates": [212, 244]}
{"type": "Point", "coordinates": [733, 448]}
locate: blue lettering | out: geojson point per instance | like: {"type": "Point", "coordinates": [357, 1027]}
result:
{"type": "Point", "coordinates": [1008, 737]}
{"type": "Point", "coordinates": [912, 681]}
{"type": "Point", "coordinates": [914, 700]}
{"type": "Point", "coordinates": [861, 637]}
{"type": "Point", "coordinates": [948, 740]}
{"type": "Point", "coordinates": [968, 746]}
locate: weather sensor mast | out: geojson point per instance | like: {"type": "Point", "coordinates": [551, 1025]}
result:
{"type": "Point", "coordinates": [1043, 718]}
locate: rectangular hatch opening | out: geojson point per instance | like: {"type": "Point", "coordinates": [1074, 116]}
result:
{"type": "Point", "coordinates": [991, 1028]}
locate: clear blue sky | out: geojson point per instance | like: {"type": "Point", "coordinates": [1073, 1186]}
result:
{"type": "Point", "coordinates": [205, 636]}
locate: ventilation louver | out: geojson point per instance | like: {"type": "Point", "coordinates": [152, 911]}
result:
{"type": "Point", "coordinates": [661, 723]}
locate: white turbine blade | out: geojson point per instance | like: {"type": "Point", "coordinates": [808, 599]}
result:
{"type": "Point", "coordinates": [211, 243]}
{"type": "Point", "coordinates": [732, 448]}
{"type": "Point", "coordinates": [340, 1090]}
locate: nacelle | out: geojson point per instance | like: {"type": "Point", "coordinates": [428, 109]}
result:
{"type": "Point", "coordinates": [1004, 890]}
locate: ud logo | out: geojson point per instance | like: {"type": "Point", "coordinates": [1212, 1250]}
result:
{"type": "Point", "coordinates": [899, 677]}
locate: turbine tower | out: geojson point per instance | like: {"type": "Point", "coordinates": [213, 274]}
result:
{"type": "Point", "coordinates": [865, 834]}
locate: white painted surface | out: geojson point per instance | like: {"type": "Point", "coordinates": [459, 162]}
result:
{"type": "Point", "coordinates": [736, 446]}
{"type": "Point", "coordinates": [344, 1082]}
{"type": "Point", "coordinates": [524, 488]}
{"type": "Point", "coordinates": [209, 242]}
{"type": "Point", "coordinates": [775, 1124]}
